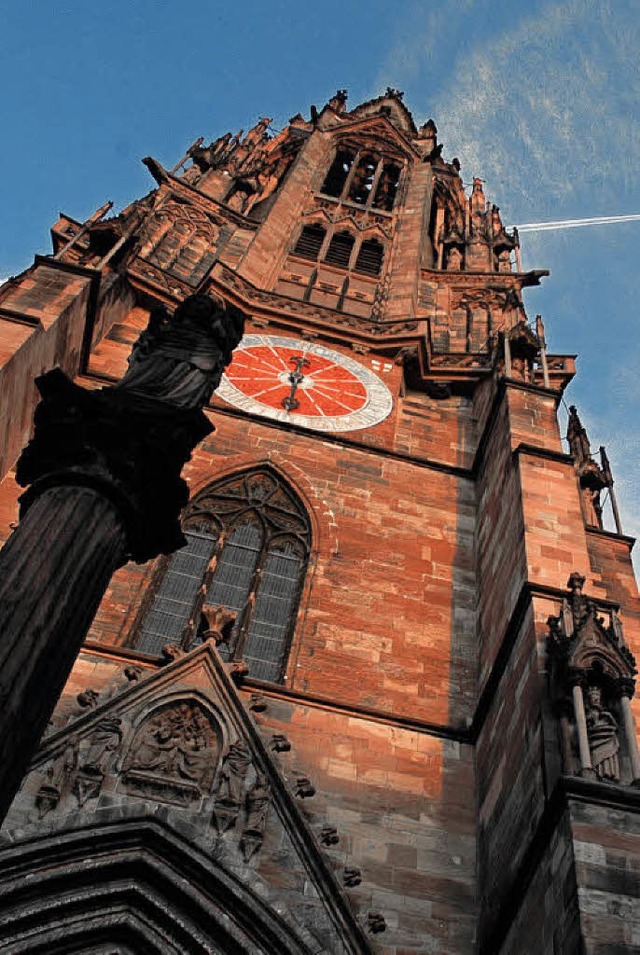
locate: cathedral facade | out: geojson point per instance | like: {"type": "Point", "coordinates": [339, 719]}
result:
{"type": "Point", "coordinates": [382, 700]}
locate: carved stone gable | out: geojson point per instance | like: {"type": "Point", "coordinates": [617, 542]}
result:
{"type": "Point", "coordinates": [179, 746]}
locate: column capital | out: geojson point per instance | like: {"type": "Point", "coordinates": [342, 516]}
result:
{"type": "Point", "coordinates": [128, 447]}
{"type": "Point", "coordinates": [576, 676]}
{"type": "Point", "coordinates": [625, 686]}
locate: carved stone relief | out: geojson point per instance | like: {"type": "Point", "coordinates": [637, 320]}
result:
{"type": "Point", "coordinates": [230, 794]}
{"type": "Point", "coordinates": [95, 757]}
{"type": "Point", "coordinates": [173, 755]}
{"type": "Point", "coordinates": [257, 802]}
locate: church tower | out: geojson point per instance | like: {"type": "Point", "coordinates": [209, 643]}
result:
{"type": "Point", "coordinates": [382, 701]}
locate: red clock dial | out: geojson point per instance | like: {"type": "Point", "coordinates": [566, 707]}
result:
{"type": "Point", "coordinates": [295, 380]}
{"type": "Point", "coordinates": [304, 383]}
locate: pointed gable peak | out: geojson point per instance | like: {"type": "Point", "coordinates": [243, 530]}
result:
{"type": "Point", "coordinates": [389, 104]}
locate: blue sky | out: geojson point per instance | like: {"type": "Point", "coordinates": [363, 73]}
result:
{"type": "Point", "coordinates": [540, 99]}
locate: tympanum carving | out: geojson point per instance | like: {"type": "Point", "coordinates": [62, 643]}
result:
{"type": "Point", "coordinates": [173, 755]}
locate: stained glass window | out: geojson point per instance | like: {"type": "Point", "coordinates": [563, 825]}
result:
{"type": "Point", "coordinates": [247, 549]}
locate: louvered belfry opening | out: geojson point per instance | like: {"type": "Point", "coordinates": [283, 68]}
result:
{"type": "Point", "coordinates": [370, 255]}
{"type": "Point", "coordinates": [310, 242]}
{"type": "Point", "coordinates": [248, 540]}
{"type": "Point", "coordinates": [339, 251]}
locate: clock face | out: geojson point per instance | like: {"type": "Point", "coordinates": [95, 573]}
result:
{"type": "Point", "coordinates": [305, 384]}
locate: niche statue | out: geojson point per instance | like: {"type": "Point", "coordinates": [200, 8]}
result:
{"type": "Point", "coordinates": [602, 730]}
{"type": "Point", "coordinates": [179, 359]}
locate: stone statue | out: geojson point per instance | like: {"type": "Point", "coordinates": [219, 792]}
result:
{"type": "Point", "coordinates": [180, 359]}
{"type": "Point", "coordinates": [257, 804]}
{"type": "Point", "coordinates": [59, 773]}
{"type": "Point", "coordinates": [454, 259]}
{"type": "Point", "coordinates": [104, 741]}
{"type": "Point", "coordinates": [256, 808]}
{"type": "Point", "coordinates": [232, 775]}
{"type": "Point", "coordinates": [602, 730]}
{"type": "Point", "coordinates": [504, 261]}
{"type": "Point", "coordinates": [230, 795]}
{"type": "Point", "coordinates": [592, 506]}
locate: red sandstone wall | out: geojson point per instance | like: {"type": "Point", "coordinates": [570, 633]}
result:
{"type": "Point", "coordinates": [500, 550]}
{"type": "Point", "coordinates": [547, 917]}
{"type": "Point", "coordinates": [388, 619]}
{"type": "Point", "coordinates": [510, 776]}
{"type": "Point", "coordinates": [403, 804]}
{"type": "Point", "coordinates": [41, 325]}
{"type": "Point", "coordinates": [607, 852]}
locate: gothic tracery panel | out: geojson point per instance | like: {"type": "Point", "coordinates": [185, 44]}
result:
{"type": "Point", "coordinates": [248, 540]}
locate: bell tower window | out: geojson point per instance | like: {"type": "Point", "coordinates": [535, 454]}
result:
{"type": "Point", "coordinates": [363, 177]}
{"type": "Point", "coordinates": [310, 242]}
{"type": "Point", "coordinates": [362, 182]}
{"type": "Point", "coordinates": [387, 187]}
{"type": "Point", "coordinates": [248, 540]}
{"type": "Point", "coordinates": [340, 248]}
{"type": "Point", "coordinates": [338, 173]}
{"type": "Point", "coordinates": [370, 257]}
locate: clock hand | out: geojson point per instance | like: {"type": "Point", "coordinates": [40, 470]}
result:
{"type": "Point", "coordinates": [295, 377]}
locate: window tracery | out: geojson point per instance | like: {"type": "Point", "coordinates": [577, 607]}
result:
{"type": "Point", "coordinates": [248, 541]}
{"type": "Point", "coordinates": [363, 176]}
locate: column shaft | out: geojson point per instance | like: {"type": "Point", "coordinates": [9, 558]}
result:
{"type": "Point", "coordinates": [581, 727]}
{"type": "Point", "coordinates": [54, 570]}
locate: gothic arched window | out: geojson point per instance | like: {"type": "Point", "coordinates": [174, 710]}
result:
{"type": "Point", "coordinates": [366, 178]}
{"type": "Point", "coordinates": [248, 540]}
{"type": "Point", "coordinates": [338, 173]}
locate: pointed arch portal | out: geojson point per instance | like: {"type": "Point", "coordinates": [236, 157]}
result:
{"type": "Point", "coordinates": [131, 886]}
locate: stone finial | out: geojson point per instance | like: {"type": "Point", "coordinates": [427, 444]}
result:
{"type": "Point", "coordinates": [220, 621]}
{"type": "Point", "coordinates": [575, 583]}
{"type": "Point", "coordinates": [338, 101]}
{"type": "Point", "coordinates": [578, 439]}
{"type": "Point", "coordinates": [428, 130]}
{"type": "Point", "coordinates": [592, 478]}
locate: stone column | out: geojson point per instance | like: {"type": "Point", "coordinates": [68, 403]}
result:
{"type": "Point", "coordinates": [627, 689]}
{"type": "Point", "coordinates": [80, 533]}
{"type": "Point", "coordinates": [586, 768]}
{"type": "Point", "coordinates": [104, 486]}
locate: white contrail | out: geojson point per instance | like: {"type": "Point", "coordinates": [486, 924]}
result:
{"type": "Point", "coordinates": [575, 223]}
